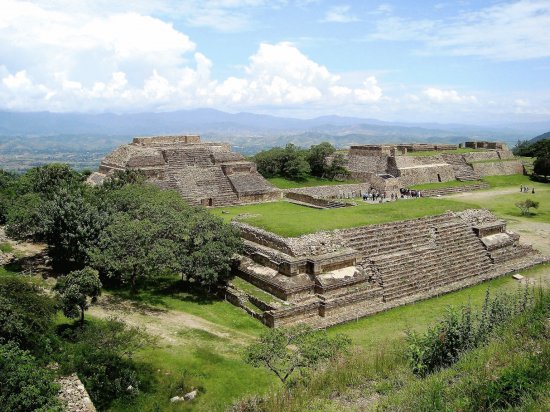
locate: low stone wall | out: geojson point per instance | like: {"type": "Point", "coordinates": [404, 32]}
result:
{"type": "Point", "coordinates": [73, 395]}
{"type": "Point", "coordinates": [453, 189]}
{"type": "Point", "coordinates": [334, 191]}
{"type": "Point", "coordinates": [409, 176]}
{"type": "Point", "coordinates": [312, 200]}
{"type": "Point", "coordinates": [511, 167]}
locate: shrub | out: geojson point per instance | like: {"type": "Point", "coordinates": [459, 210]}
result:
{"type": "Point", "coordinates": [102, 355]}
{"type": "Point", "coordinates": [26, 315]}
{"type": "Point", "coordinates": [299, 348]}
{"type": "Point", "coordinates": [24, 384]}
{"type": "Point", "coordinates": [461, 330]}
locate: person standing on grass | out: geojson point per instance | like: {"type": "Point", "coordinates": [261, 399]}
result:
{"type": "Point", "coordinates": [533, 191]}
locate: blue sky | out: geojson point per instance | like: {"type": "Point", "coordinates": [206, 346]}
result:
{"type": "Point", "coordinates": [436, 61]}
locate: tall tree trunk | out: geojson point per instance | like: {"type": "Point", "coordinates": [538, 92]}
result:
{"type": "Point", "coordinates": [81, 317]}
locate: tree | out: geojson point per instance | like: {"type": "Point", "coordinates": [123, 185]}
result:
{"type": "Point", "coordinates": [26, 314]}
{"type": "Point", "coordinates": [525, 205]}
{"type": "Point", "coordinates": [46, 180]}
{"type": "Point", "coordinates": [542, 166]}
{"type": "Point", "coordinates": [299, 348]}
{"type": "Point", "coordinates": [336, 168]}
{"type": "Point", "coordinates": [270, 162]}
{"type": "Point", "coordinates": [25, 218]}
{"type": "Point", "coordinates": [317, 158]}
{"type": "Point", "coordinates": [76, 290]}
{"type": "Point", "coordinates": [132, 249]}
{"type": "Point", "coordinates": [24, 384]}
{"type": "Point", "coordinates": [209, 249]}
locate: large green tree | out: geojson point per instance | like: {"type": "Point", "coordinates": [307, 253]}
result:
{"type": "Point", "coordinates": [317, 158]}
{"type": "Point", "coordinates": [542, 166]}
{"type": "Point", "coordinates": [209, 248]}
{"type": "Point", "coordinates": [132, 249]}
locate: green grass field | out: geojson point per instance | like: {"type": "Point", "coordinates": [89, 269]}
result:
{"type": "Point", "coordinates": [282, 183]}
{"type": "Point", "coordinates": [287, 219]}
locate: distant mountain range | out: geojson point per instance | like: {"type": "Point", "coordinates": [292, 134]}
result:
{"type": "Point", "coordinates": [540, 137]}
{"type": "Point", "coordinates": [248, 132]}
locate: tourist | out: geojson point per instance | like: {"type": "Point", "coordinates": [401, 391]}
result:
{"type": "Point", "coordinates": [533, 191]}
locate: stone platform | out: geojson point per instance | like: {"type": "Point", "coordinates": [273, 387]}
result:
{"type": "Point", "coordinates": [204, 173]}
{"type": "Point", "coordinates": [336, 276]}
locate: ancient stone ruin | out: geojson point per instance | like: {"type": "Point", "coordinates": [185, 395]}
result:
{"type": "Point", "coordinates": [369, 162]}
{"type": "Point", "coordinates": [336, 276]}
{"type": "Point", "coordinates": [203, 173]}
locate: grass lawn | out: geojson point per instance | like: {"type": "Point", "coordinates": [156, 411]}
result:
{"type": "Point", "coordinates": [287, 219]}
{"type": "Point", "coordinates": [282, 183]}
{"type": "Point", "coordinates": [513, 180]}
{"type": "Point", "coordinates": [378, 330]}
{"type": "Point", "coordinates": [195, 356]}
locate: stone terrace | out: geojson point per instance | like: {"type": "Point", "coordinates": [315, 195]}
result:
{"type": "Point", "coordinates": [336, 276]}
{"type": "Point", "coordinates": [202, 172]}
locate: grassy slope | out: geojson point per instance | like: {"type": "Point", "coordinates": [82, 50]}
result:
{"type": "Point", "coordinates": [206, 361]}
{"type": "Point", "coordinates": [289, 220]}
{"type": "Point", "coordinates": [282, 183]}
{"type": "Point", "coordinates": [379, 378]}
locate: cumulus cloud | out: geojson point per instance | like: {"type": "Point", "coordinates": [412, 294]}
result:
{"type": "Point", "coordinates": [506, 31]}
{"type": "Point", "coordinates": [58, 61]}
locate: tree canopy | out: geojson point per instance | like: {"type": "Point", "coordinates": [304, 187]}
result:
{"type": "Point", "coordinates": [76, 290]}
{"type": "Point", "coordinates": [296, 163]}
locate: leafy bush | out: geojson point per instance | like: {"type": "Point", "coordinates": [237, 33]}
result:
{"type": "Point", "coordinates": [26, 315]}
{"type": "Point", "coordinates": [102, 355]}
{"type": "Point", "coordinates": [24, 384]}
{"type": "Point", "coordinates": [461, 330]}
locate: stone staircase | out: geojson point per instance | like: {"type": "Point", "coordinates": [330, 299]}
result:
{"type": "Point", "coordinates": [198, 183]}
{"type": "Point", "coordinates": [443, 252]}
{"type": "Point", "coordinates": [198, 156]}
{"type": "Point", "coordinates": [463, 171]}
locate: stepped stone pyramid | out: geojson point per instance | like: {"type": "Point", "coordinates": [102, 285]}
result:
{"type": "Point", "coordinates": [336, 276]}
{"type": "Point", "coordinates": [204, 173]}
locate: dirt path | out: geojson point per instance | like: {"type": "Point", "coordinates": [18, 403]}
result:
{"type": "Point", "coordinates": [163, 323]}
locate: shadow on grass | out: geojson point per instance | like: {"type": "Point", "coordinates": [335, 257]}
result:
{"type": "Point", "coordinates": [154, 292]}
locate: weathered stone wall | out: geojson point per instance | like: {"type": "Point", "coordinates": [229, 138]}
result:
{"type": "Point", "coordinates": [153, 140]}
{"type": "Point", "coordinates": [409, 176]}
{"type": "Point", "coordinates": [334, 191]}
{"type": "Point", "coordinates": [510, 167]}
{"type": "Point", "coordinates": [454, 189]}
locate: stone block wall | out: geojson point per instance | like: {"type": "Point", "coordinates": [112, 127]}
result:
{"type": "Point", "coordinates": [392, 264]}
{"type": "Point", "coordinates": [510, 167]}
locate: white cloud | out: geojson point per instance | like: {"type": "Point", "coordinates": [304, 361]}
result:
{"type": "Point", "coordinates": [447, 96]}
{"type": "Point", "coordinates": [506, 31]}
{"type": "Point", "coordinates": [61, 61]}
{"type": "Point", "coordinates": [339, 14]}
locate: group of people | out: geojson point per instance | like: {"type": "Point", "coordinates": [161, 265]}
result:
{"type": "Point", "coordinates": [409, 193]}
{"type": "Point", "coordinates": [375, 195]}
{"type": "Point", "coordinates": [525, 189]}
